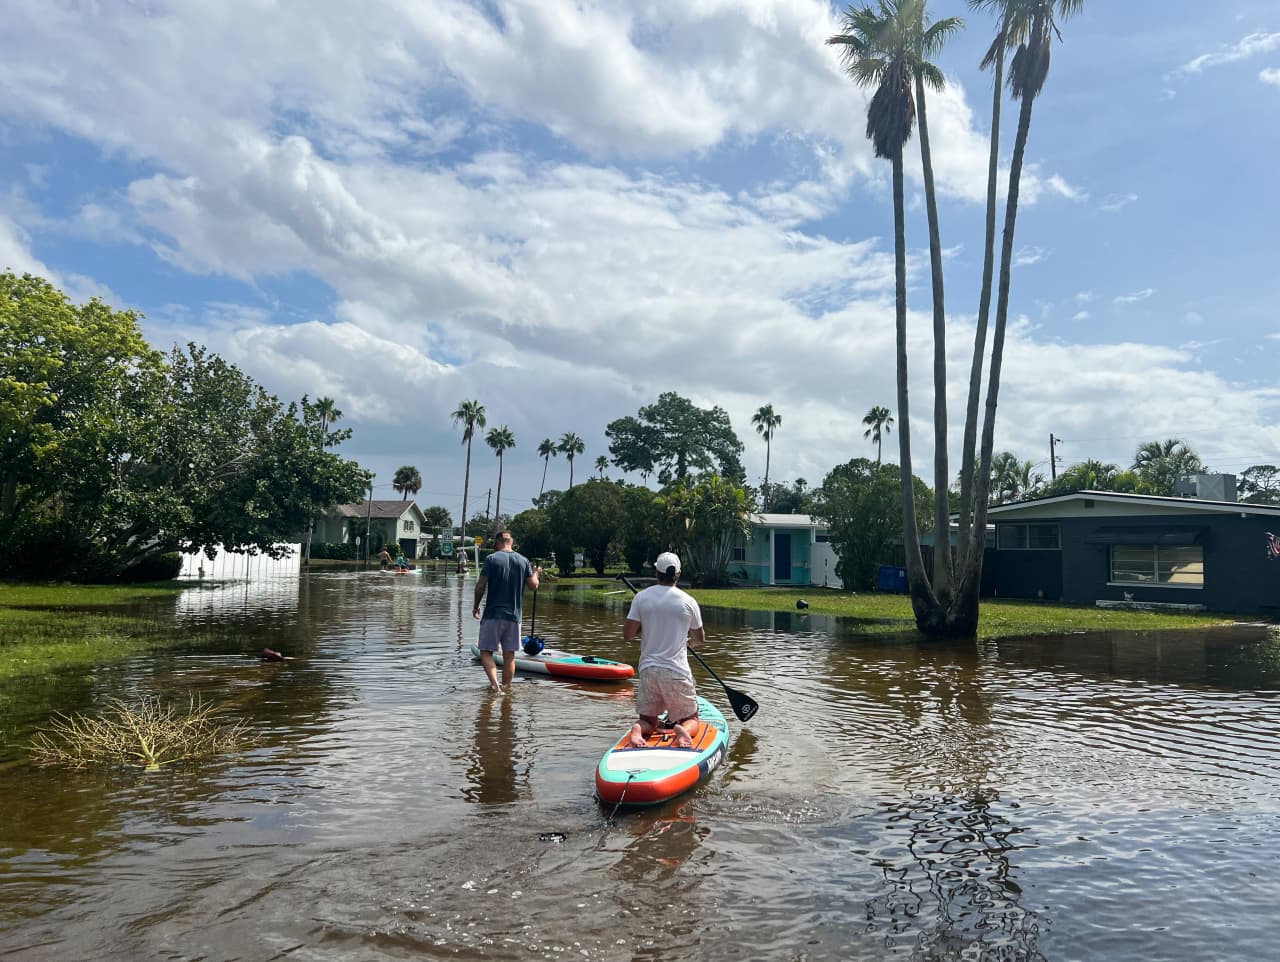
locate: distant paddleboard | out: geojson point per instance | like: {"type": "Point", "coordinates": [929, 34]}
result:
{"type": "Point", "coordinates": [562, 664]}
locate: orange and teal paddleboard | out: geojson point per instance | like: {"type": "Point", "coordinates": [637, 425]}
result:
{"type": "Point", "coordinates": [661, 770]}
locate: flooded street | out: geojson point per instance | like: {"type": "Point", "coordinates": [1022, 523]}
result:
{"type": "Point", "coordinates": [1069, 798]}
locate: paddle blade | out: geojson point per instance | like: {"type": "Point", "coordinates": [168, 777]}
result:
{"type": "Point", "coordinates": [743, 705]}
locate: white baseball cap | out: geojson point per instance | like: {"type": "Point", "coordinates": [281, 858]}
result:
{"type": "Point", "coordinates": [667, 560]}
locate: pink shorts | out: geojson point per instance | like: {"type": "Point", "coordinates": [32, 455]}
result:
{"type": "Point", "coordinates": [661, 689]}
{"type": "Point", "coordinates": [499, 631]}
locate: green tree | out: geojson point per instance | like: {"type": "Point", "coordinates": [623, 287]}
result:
{"type": "Point", "coordinates": [1091, 475]}
{"type": "Point", "coordinates": [1159, 464]}
{"type": "Point", "coordinates": [327, 414]}
{"type": "Point", "coordinates": [532, 532]}
{"type": "Point", "coordinates": [501, 440]}
{"type": "Point", "coordinates": [861, 502]}
{"type": "Point", "coordinates": [546, 450]}
{"type": "Point", "coordinates": [601, 463]}
{"type": "Point", "coordinates": [407, 480]}
{"type": "Point", "coordinates": [879, 422]}
{"type": "Point", "coordinates": [571, 446]}
{"type": "Point", "coordinates": [470, 414]}
{"type": "Point", "coordinates": [588, 517]}
{"type": "Point", "coordinates": [1259, 484]}
{"type": "Point", "coordinates": [766, 423]}
{"type": "Point", "coordinates": [674, 437]}
{"type": "Point", "coordinates": [1013, 479]}
{"type": "Point", "coordinates": [703, 519]}
{"type": "Point", "coordinates": [640, 534]}
{"type": "Point", "coordinates": [436, 519]}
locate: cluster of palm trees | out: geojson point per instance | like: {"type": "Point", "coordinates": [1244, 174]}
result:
{"type": "Point", "coordinates": [470, 415]}
{"type": "Point", "coordinates": [889, 48]}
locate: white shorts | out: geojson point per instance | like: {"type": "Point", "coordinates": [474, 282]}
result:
{"type": "Point", "coordinates": [661, 689]}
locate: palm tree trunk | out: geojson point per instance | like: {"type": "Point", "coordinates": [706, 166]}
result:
{"type": "Point", "coordinates": [919, 584]}
{"type": "Point", "coordinates": [497, 502]}
{"type": "Point", "coordinates": [768, 451]}
{"type": "Point", "coordinates": [942, 577]}
{"type": "Point", "coordinates": [546, 463]}
{"type": "Point", "coordinates": [879, 448]}
{"type": "Point", "coordinates": [973, 573]}
{"type": "Point", "coordinates": [462, 525]}
{"type": "Point", "coordinates": [571, 470]}
{"type": "Point", "coordinates": [984, 312]}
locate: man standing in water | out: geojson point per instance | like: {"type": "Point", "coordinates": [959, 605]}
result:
{"type": "Point", "coordinates": [505, 574]}
{"type": "Point", "coordinates": [668, 621]}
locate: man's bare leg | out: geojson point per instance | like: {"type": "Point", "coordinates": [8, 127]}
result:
{"type": "Point", "coordinates": [491, 668]}
{"type": "Point", "coordinates": [508, 669]}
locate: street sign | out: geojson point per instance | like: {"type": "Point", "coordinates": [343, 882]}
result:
{"type": "Point", "coordinates": [479, 542]}
{"type": "Point", "coordinates": [446, 549]}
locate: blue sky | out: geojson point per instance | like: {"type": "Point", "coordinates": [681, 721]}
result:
{"type": "Point", "coordinates": [563, 209]}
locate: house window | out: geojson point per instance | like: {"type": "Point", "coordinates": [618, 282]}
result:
{"type": "Point", "coordinates": [1028, 537]}
{"type": "Point", "coordinates": [1176, 567]}
{"type": "Point", "coordinates": [739, 553]}
{"type": "Point", "coordinates": [822, 537]}
{"type": "Point", "coordinates": [408, 525]}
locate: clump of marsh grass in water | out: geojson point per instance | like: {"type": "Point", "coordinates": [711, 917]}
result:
{"type": "Point", "coordinates": [149, 734]}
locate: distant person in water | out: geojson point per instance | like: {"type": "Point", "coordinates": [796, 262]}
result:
{"type": "Point", "coordinates": [504, 576]}
{"type": "Point", "coordinates": [385, 558]}
{"type": "Point", "coordinates": [668, 621]}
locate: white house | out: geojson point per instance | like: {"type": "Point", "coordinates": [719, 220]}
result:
{"type": "Point", "coordinates": [379, 522]}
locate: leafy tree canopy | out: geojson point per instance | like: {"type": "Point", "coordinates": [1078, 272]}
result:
{"type": "Point", "coordinates": [587, 516]}
{"type": "Point", "coordinates": [703, 520]}
{"type": "Point", "coordinates": [674, 437]}
{"type": "Point", "coordinates": [1259, 484]}
{"type": "Point", "coordinates": [861, 501]}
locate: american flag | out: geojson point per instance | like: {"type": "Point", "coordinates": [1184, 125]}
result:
{"type": "Point", "coordinates": [1273, 546]}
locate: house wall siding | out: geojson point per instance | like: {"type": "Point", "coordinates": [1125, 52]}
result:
{"type": "Point", "coordinates": [1239, 577]}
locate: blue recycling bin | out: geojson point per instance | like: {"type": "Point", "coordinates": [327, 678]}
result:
{"type": "Point", "coordinates": [892, 578]}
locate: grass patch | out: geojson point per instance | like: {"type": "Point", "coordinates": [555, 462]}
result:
{"type": "Point", "coordinates": [878, 614]}
{"type": "Point", "coordinates": [47, 628]}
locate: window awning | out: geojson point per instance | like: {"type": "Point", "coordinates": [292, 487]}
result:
{"type": "Point", "coordinates": [1152, 535]}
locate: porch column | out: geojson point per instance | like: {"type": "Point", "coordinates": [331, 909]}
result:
{"type": "Point", "coordinates": [771, 556]}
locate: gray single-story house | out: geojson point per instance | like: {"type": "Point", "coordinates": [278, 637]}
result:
{"type": "Point", "coordinates": [784, 549]}
{"type": "Point", "coordinates": [1129, 549]}
{"type": "Point", "coordinates": [399, 521]}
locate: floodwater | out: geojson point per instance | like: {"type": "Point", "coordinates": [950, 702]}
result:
{"type": "Point", "coordinates": [1070, 798]}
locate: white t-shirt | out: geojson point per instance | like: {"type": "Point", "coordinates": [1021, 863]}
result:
{"type": "Point", "coordinates": [666, 615]}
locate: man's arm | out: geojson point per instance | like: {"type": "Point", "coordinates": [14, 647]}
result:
{"type": "Point", "coordinates": [481, 583]}
{"type": "Point", "coordinates": [631, 630]}
{"type": "Point", "coordinates": [531, 582]}
{"type": "Point", "coordinates": [696, 637]}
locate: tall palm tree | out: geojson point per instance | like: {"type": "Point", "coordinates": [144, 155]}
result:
{"type": "Point", "coordinates": [570, 446]}
{"type": "Point", "coordinates": [766, 423]}
{"type": "Point", "coordinates": [407, 481]}
{"type": "Point", "coordinates": [546, 450]}
{"type": "Point", "coordinates": [879, 422]}
{"type": "Point", "coordinates": [470, 415]}
{"type": "Point", "coordinates": [501, 440]}
{"type": "Point", "coordinates": [1029, 26]}
{"type": "Point", "coordinates": [601, 463]}
{"type": "Point", "coordinates": [888, 49]}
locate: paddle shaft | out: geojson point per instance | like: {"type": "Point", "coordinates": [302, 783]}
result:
{"type": "Point", "coordinates": [744, 706]}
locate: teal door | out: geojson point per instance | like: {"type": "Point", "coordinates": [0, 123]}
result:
{"type": "Point", "coordinates": [781, 556]}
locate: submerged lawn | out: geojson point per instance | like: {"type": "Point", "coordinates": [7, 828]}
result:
{"type": "Point", "coordinates": [888, 614]}
{"type": "Point", "coordinates": [44, 628]}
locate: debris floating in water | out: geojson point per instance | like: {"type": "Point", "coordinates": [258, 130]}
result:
{"type": "Point", "coordinates": [801, 604]}
{"type": "Point", "coordinates": [552, 837]}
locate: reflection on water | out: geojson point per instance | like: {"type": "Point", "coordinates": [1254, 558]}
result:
{"type": "Point", "coordinates": [1077, 797]}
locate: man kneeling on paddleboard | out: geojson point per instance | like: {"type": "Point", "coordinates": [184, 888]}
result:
{"type": "Point", "coordinates": [667, 621]}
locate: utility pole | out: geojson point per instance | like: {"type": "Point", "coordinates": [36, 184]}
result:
{"type": "Point", "coordinates": [368, 521]}
{"type": "Point", "coordinates": [488, 501]}
{"type": "Point", "coordinates": [1053, 458]}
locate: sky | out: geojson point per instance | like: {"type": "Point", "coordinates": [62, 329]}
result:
{"type": "Point", "coordinates": [563, 208]}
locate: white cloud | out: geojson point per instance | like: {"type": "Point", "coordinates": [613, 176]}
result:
{"type": "Point", "coordinates": [1081, 316]}
{"type": "Point", "coordinates": [1136, 296]}
{"type": "Point", "coordinates": [1116, 202]}
{"type": "Point", "coordinates": [1270, 75]}
{"type": "Point", "coordinates": [1249, 46]}
{"type": "Point", "coordinates": [1026, 256]}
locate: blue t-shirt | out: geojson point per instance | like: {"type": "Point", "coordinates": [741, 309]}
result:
{"type": "Point", "coordinates": [506, 572]}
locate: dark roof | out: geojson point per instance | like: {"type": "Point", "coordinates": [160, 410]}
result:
{"type": "Point", "coordinates": [376, 509]}
{"type": "Point", "coordinates": [1120, 497]}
